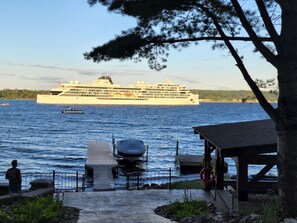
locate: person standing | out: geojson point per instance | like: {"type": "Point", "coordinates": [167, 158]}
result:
{"type": "Point", "coordinates": [14, 177]}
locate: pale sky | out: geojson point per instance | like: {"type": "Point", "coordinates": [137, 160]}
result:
{"type": "Point", "coordinates": [42, 43]}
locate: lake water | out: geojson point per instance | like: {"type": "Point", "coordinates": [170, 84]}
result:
{"type": "Point", "coordinates": [43, 139]}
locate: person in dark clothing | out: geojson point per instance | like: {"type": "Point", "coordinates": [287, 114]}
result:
{"type": "Point", "coordinates": [14, 177]}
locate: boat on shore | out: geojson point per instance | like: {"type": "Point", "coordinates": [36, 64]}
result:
{"type": "Point", "coordinates": [72, 111]}
{"type": "Point", "coordinates": [130, 149]}
{"type": "Point", "coordinates": [104, 92]}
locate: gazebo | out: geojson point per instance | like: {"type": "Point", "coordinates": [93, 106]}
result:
{"type": "Point", "coordinates": [252, 142]}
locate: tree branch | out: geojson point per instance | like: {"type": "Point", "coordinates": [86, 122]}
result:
{"type": "Point", "coordinates": [267, 21]}
{"type": "Point", "coordinates": [269, 109]}
{"type": "Point", "coordinates": [270, 57]}
{"type": "Point", "coordinates": [230, 38]}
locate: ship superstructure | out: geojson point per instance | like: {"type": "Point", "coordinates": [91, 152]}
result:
{"type": "Point", "coordinates": [104, 92]}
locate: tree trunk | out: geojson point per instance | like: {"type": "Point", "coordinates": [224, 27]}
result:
{"type": "Point", "coordinates": [286, 126]}
{"type": "Point", "coordinates": [286, 123]}
{"type": "Point", "coordinates": [287, 171]}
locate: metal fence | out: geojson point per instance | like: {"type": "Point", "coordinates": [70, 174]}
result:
{"type": "Point", "coordinates": [62, 181]}
{"type": "Point", "coordinates": [149, 179]}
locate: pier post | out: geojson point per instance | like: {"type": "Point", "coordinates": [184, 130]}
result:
{"type": "Point", "coordinates": [147, 149]}
{"type": "Point", "coordinates": [54, 178]}
{"type": "Point", "coordinates": [113, 145]}
{"type": "Point", "coordinates": [138, 179]}
{"type": "Point", "coordinates": [76, 188]}
{"type": "Point", "coordinates": [127, 181]}
{"type": "Point", "coordinates": [176, 150]}
{"type": "Point", "coordinates": [83, 183]}
{"type": "Point", "coordinates": [170, 186]}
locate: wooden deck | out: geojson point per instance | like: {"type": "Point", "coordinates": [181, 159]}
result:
{"type": "Point", "coordinates": [100, 161]}
{"type": "Point", "coordinates": [193, 163]}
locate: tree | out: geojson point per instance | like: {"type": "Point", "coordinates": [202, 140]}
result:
{"type": "Point", "coordinates": [270, 25]}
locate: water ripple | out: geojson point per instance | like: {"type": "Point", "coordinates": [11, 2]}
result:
{"type": "Point", "coordinates": [42, 138]}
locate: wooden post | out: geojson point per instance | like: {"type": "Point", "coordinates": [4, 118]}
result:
{"type": "Point", "coordinates": [176, 149]}
{"type": "Point", "coordinates": [219, 170]}
{"type": "Point", "coordinates": [242, 178]}
{"type": "Point", "coordinates": [207, 155]}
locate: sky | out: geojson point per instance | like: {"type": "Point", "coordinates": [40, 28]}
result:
{"type": "Point", "coordinates": [42, 43]}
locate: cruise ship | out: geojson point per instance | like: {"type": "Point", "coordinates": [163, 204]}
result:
{"type": "Point", "coordinates": [104, 92]}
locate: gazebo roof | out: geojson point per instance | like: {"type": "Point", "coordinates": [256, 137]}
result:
{"type": "Point", "coordinates": [232, 138]}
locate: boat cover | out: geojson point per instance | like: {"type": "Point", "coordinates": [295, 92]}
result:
{"type": "Point", "coordinates": [132, 147]}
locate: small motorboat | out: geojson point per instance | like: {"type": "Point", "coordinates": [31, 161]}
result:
{"type": "Point", "coordinates": [72, 111]}
{"type": "Point", "coordinates": [130, 149]}
{"type": "Point", "coordinates": [5, 104]}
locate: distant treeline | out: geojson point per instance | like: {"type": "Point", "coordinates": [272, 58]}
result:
{"type": "Point", "coordinates": [204, 95]}
{"type": "Point", "coordinates": [236, 96]}
{"type": "Point", "coordinates": [20, 94]}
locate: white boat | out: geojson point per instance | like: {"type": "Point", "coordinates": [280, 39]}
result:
{"type": "Point", "coordinates": [104, 92]}
{"type": "Point", "coordinates": [130, 149]}
{"type": "Point", "coordinates": [72, 111]}
{"type": "Point", "coordinates": [5, 104]}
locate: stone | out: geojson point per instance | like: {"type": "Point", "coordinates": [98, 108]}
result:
{"type": "Point", "coordinates": [289, 220]}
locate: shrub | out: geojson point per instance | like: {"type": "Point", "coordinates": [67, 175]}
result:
{"type": "Point", "coordinates": [5, 217]}
{"type": "Point", "coordinates": [188, 208]}
{"type": "Point", "coordinates": [271, 212]}
{"type": "Point", "coordinates": [36, 210]}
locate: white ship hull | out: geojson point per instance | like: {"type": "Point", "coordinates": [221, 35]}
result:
{"type": "Point", "coordinates": [76, 100]}
{"type": "Point", "coordinates": [103, 92]}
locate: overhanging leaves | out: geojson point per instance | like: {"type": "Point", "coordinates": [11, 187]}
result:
{"type": "Point", "coordinates": [123, 47]}
{"type": "Point", "coordinates": [165, 24]}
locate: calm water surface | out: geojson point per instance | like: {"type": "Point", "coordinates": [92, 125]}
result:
{"type": "Point", "coordinates": [43, 139]}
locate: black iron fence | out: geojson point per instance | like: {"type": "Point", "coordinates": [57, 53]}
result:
{"type": "Point", "coordinates": [62, 181]}
{"type": "Point", "coordinates": [149, 179]}
{"type": "Point", "coordinates": [77, 182]}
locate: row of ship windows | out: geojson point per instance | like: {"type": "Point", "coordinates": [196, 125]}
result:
{"type": "Point", "coordinates": [146, 96]}
{"type": "Point", "coordinates": [124, 91]}
{"type": "Point", "coordinates": [136, 93]}
{"type": "Point", "coordinates": [171, 88]}
{"type": "Point", "coordinates": [106, 95]}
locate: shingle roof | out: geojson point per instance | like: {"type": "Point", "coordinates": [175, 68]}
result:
{"type": "Point", "coordinates": [252, 134]}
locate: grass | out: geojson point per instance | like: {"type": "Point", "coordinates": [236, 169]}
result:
{"type": "Point", "coordinates": [187, 184]}
{"type": "Point", "coordinates": [268, 209]}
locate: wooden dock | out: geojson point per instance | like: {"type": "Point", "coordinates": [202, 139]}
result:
{"type": "Point", "coordinates": [100, 161]}
{"type": "Point", "coordinates": [193, 163]}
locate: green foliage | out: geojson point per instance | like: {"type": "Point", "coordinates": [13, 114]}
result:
{"type": "Point", "coordinates": [229, 95]}
{"type": "Point", "coordinates": [5, 217]}
{"type": "Point", "coordinates": [166, 24]}
{"type": "Point", "coordinates": [212, 95]}
{"type": "Point", "coordinates": [20, 94]}
{"type": "Point", "coordinates": [187, 184]}
{"type": "Point", "coordinates": [36, 210]}
{"type": "Point", "coordinates": [114, 48]}
{"type": "Point", "coordinates": [268, 209]}
{"type": "Point", "coordinates": [188, 208]}
{"type": "Point", "coordinates": [271, 212]}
